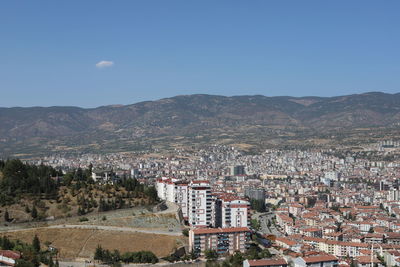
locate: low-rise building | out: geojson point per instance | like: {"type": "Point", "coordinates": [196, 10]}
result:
{"type": "Point", "coordinates": [392, 258]}
{"type": "Point", "coordinates": [8, 257]}
{"type": "Point", "coordinates": [367, 261]}
{"type": "Point", "coordinates": [222, 240]}
{"type": "Point", "coordinates": [325, 260]}
{"type": "Point", "coordinates": [266, 263]}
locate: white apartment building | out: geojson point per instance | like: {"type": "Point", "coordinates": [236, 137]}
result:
{"type": "Point", "coordinates": [181, 197]}
{"type": "Point", "coordinates": [175, 191]}
{"type": "Point", "coordinates": [200, 203]}
{"type": "Point", "coordinates": [393, 195]}
{"type": "Point", "coordinates": [231, 211]}
{"type": "Point", "coordinates": [200, 208]}
{"type": "Point", "coordinates": [165, 189]}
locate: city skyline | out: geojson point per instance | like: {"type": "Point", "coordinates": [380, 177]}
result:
{"type": "Point", "coordinates": [200, 133]}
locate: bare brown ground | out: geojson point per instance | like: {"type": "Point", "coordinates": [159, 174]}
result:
{"type": "Point", "coordinates": [81, 243]}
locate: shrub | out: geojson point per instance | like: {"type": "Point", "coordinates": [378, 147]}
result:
{"type": "Point", "coordinates": [83, 219]}
{"type": "Point", "coordinates": [185, 232]}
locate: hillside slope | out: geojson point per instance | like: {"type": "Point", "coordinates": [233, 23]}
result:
{"type": "Point", "coordinates": [26, 130]}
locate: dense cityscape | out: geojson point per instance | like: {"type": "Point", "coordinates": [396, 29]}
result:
{"type": "Point", "coordinates": [206, 133]}
{"type": "Point", "coordinates": [320, 207]}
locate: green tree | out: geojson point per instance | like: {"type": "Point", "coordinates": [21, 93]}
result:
{"type": "Point", "coordinates": [36, 244]}
{"type": "Point", "coordinates": [151, 192]}
{"type": "Point", "coordinates": [193, 255]}
{"type": "Point", "coordinates": [98, 254]}
{"type": "Point", "coordinates": [51, 262]}
{"type": "Point", "coordinates": [185, 232]}
{"type": "Point", "coordinates": [34, 212]}
{"type": "Point", "coordinates": [265, 253]}
{"type": "Point", "coordinates": [6, 243]}
{"type": "Point", "coordinates": [211, 254]}
{"type": "Point", "coordinates": [24, 263]}
{"type": "Point", "coordinates": [6, 216]}
{"type": "Point", "coordinates": [252, 252]}
{"type": "Point", "coordinates": [255, 224]}
{"type": "Point", "coordinates": [258, 205]}
{"type": "Point", "coordinates": [237, 260]}
{"type": "Point", "coordinates": [19, 177]}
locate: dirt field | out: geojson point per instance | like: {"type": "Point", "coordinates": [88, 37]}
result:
{"type": "Point", "coordinates": [146, 221]}
{"type": "Point", "coordinates": [81, 243]}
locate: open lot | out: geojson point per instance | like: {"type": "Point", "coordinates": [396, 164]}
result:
{"type": "Point", "coordinates": [125, 230]}
{"type": "Point", "coordinates": [81, 243]}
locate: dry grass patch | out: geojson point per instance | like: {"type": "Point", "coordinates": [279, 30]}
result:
{"type": "Point", "coordinates": [81, 243]}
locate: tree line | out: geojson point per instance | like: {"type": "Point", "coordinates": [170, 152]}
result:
{"type": "Point", "coordinates": [115, 257]}
{"type": "Point", "coordinates": [31, 254]}
{"type": "Point", "coordinates": [20, 178]}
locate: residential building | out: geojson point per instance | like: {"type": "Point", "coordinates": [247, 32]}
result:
{"type": "Point", "coordinates": [266, 263]}
{"type": "Point", "coordinates": [236, 170]}
{"type": "Point", "coordinates": [222, 240]}
{"type": "Point", "coordinates": [8, 257]}
{"type": "Point", "coordinates": [231, 211]}
{"type": "Point", "coordinates": [181, 197]}
{"type": "Point", "coordinates": [324, 260]}
{"type": "Point", "coordinates": [367, 261]}
{"type": "Point", "coordinates": [392, 258]}
{"type": "Point", "coordinates": [176, 191]}
{"type": "Point", "coordinates": [255, 193]}
{"type": "Point", "coordinates": [200, 203]}
{"type": "Point", "coordinates": [102, 176]}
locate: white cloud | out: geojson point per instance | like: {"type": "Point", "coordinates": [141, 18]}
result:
{"type": "Point", "coordinates": [104, 64]}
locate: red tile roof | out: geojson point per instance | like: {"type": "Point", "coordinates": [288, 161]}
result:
{"type": "Point", "coordinates": [394, 253]}
{"type": "Point", "coordinates": [267, 262]}
{"type": "Point", "coordinates": [366, 259]}
{"type": "Point", "coordinates": [199, 231]}
{"type": "Point", "coordinates": [200, 182]}
{"type": "Point", "coordinates": [286, 241]}
{"type": "Point", "coordinates": [319, 258]}
{"type": "Point", "coordinates": [10, 254]}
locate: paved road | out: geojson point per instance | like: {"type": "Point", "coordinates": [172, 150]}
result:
{"type": "Point", "coordinates": [263, 218]}
{"type": "Point", "coordinates": [114, 228]}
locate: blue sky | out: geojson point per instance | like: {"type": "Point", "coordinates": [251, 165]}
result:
{"type": "Point", "coordinates": [49, 49]}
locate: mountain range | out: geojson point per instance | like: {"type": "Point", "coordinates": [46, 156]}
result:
{"type": "Point", "coordinates": [194, 119]}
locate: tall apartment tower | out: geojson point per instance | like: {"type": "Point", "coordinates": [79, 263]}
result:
{"type": "Point", "coordinates": [236, 170]}
{"type": "Point", "coordinates": [181, 190]}
{"type": "Point", "coordinates": [175, 191]}
{"type": "Point", "coordinates": [200, 204]}
{"type": "Point", "coordinates": [231, 211]}
{"type": "Point", "coordinates": [165, 189]}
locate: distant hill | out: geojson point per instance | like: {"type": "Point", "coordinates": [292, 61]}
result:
{"type": "Point", "coordinates": [245, 119]}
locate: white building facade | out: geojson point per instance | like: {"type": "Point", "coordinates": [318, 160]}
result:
{"type": "Point", "coordinates": [200, 204]}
